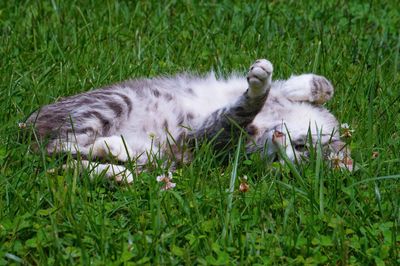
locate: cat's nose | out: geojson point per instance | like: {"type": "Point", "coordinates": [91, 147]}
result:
{"type": "Point", "coordinates": [278, 137]}
{"type": "Point", "coordinates": [278, 134]}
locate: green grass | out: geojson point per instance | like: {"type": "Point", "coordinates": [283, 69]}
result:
{"type": "Point", "coordinates": [307, 215]}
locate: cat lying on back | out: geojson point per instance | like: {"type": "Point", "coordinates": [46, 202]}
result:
{"type": "Point", "coordinates": [137, 119]}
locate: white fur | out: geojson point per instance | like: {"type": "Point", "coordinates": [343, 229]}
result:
{"type": "Point", "coordinates": [290, 109]}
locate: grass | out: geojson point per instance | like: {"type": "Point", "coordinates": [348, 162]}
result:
{"type": "Point", "coordinates": [303, 215]}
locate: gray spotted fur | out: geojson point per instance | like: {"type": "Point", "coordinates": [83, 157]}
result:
{"type": "Point", "coordinates": [161, 114]}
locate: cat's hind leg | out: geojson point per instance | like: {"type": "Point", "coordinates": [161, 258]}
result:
{"type": "Point", "coordinates": [307, 88]}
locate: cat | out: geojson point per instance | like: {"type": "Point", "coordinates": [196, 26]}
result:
{"type": "Point", "coordinates": [165, 116]}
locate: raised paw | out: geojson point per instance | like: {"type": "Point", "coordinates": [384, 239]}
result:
{"type": "Point", "coordinates": [260, 77]}
{"type": "Point", "coordinates": [321, 89]}
{"type": "Point", "coordinates": [113, 146]}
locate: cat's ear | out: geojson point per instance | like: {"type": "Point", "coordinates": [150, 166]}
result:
{"type": "Point", "coordinates": [339, 155]}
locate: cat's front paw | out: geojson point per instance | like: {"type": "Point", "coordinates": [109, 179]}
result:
{"type": "Point", "coordinates": [260, 77]}
{"type": "Point", "coordinates": [113, 146]}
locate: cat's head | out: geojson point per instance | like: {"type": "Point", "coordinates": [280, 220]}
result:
{"type": "Point", "coordinates": [300, 136]}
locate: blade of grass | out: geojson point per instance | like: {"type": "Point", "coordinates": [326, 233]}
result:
{"type": "Point", "coordinates": [231, 189]}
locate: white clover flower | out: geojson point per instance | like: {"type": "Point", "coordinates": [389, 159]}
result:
{"type": "Point", "coordinates": [244, 187]}
{"type": "Point", "coordinates": [168, 186]}
{"type": "Point", "coordinates": [336, 160]}
{"type": "Point", "coordinates": [345, 126]}
{"type": "Point", "coordinates": [341, 160]}
{"type": "Point", "coordinates": [22, 125]}
{"type": "Point", "coordinates": [167, 180]}
{"type": "Point", "coordinates": [346, 131]}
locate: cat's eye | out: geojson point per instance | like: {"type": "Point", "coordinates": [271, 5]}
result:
{"type": "Point", "coordinates": [300, 147]}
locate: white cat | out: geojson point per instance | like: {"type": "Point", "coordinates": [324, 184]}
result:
{"type": "Point", "coordinates": [165, 116]}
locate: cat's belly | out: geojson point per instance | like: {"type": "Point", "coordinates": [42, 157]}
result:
{"type": "Point", "coordinates": [160, 121]}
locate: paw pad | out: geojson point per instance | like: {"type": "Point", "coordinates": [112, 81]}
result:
{"type": "Point", "coordinates": [259, 76]}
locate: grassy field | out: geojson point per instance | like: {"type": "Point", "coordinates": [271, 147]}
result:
{"type": "Point", "coordinates": [309, 215]}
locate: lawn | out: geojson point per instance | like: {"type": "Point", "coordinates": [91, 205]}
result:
{"type": "Point", "coordinates": [309, 214]}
